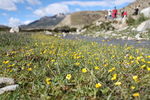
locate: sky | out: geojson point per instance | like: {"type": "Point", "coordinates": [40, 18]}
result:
{"type": "Point", "coordinates": [17, 12]}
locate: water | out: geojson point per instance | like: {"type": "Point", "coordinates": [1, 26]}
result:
{"type": "Point", "coordinates": [143, 43]}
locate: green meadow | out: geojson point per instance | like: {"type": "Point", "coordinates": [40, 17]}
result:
{"type": "Point", "coordinates": [51, 68]}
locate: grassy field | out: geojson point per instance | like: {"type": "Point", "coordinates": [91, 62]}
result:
{"type": "Point", "coordinates": [50, 68]}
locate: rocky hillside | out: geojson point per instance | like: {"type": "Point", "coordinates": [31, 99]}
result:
{"type": "Point", "coordinates": [82, 18]}
{"type": "Point", "coordinates": [44, 22]}
{"type": "Point", "coordinates": [142, 3]}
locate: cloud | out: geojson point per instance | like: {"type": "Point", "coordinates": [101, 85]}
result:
{"type": "Point", "coordinates": [10, 5]}
{"type": "Point", "coordinates": [87, 3]}
{"type": "Point", "coordinates": [27, 22]}
{"type": "Point", "coordinates": [120, 2]}
{"type": "Point", "coordinates": [52, 9]}
{"type": "Point", "coordinates": [34, 2]}
{"type": "Point", "coordinates": [103, 3]}
{"type": "Point", "coordinates": [4, 14]}
{"type": "Point", "coordinates": [29, 8]}
{"type": "Point", "coordinates": [14, 22]}
{"type": "Point", "coordinates": [77, 9]}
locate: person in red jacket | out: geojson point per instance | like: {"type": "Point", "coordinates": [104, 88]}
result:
{"type": "Point", "coordinates": [114, 13]}
{"type": "Point", "coordinates": [125, 14]}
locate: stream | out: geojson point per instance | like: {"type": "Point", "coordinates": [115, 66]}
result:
{"type": "Point", "coordinates": [135, 43]}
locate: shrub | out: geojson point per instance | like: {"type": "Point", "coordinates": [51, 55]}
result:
{"type": "Point", "coordinates": [139, 20]}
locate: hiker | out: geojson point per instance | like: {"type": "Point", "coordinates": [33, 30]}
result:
{"type": "Point", "coordinates": [105, 17]}
{"type": "Point", "coordinates": [122, 13]}
{"type": "Point", "coordinates": [114, 13]}
{"type": "Point", "coordinates": [125, 14]}
{"type": "Point", "coordinates": [109, 14]}
{"type": "Point", "coordinates": [136, 11]}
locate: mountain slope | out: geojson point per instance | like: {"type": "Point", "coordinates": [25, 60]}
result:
{"type": "Point", "coordinates": [142, 3]}
{"type": "Point", "coordinates": [44, 23]}
{"type": "Point", "coordinates": [82, 18]}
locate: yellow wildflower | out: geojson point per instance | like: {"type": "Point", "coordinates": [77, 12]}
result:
{"type": "Point", "coordinates": [132, 87]}
{"type": "Point", "coordinates": [143, 66]}
{"type": "Point", "coordinates": [68, 77]}
{"type": "Point", "coordinates": [136, 94]}
{"type": "Point", "coordinates": [52, 60]}
{"type": "Point", "coordinates": [148, 62]}
{"type": "Point", "coordinates": [148, 68]}
{"type": "Point", "coordinates": [98, 85]}
{"type": "Point", "coordinates": [77, 63]}
{"type": "Point", "coordinates": [96, 67]}
{"type": "Point", "coordinates": [29, 64]}
{"type": "Point", "coordinates": [135, 78]}
{"type": "Point", "coordinates": [112, 69]}
{"type": "Point", "coordinates": [6, 62]}
{"type": "Point", "coordinates": [114, 77]}
{"type": "Point", "coordinates": [84, 70]}
{"type": "Point", "coordinates": [29, 69]}
{"type": "Point", "coordinates": [48, 81]}
{"type": "Point", "coordinates": [118, 83]}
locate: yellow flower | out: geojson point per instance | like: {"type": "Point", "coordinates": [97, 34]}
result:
{"type": "Point", "coordinates": [114, 77]}
{"type": "Point", "coordinates": [96, 67]}
{"type": "Point", "coordinates": [112, 69]}
{"type": "Point", "coordinates": [135, 78]}
{"type": "Point", "coordinates": [84, 70]}
{"type": "Point", "coordinates": [77, 63]}
{"type": "Point", "coordinates": [52, 60]}
{"type": "Point", "coordinates": [143, 66]}
{"type": "Point", "coordinates": [148, 62]}
{"type": "Point", "coordinates": [68, 77]}
{"type": "Point", "coordinates": [98, 85]}
{"type": "Point", "coordinates": [29, 69]}
{"type": "Point", "coordinates": [148, 68]}
{"type": "Point", "coordinates": [132, 87]}
{"type": "Point", "coordinates": [48, 81]}
{"type": "Point", "coordinates": [29, 64]}
{"type": "Point", "coordinates": [118, 83]}
{"type": "Point", "coordinates": [6, 62]}
{"type": "Point", "coordinates": [136, 94]}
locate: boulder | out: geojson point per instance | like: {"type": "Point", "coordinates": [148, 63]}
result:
{"type": "Point", "coordinates": [14, 30]}
{"type": "Point", "coordinates": [146, 12]}
{"type": "Point", "coordinates": [48, 33]}
{"type": "Point", "coordinates": [143, 26]}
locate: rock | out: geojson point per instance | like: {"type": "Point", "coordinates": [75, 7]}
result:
{"type": "Point", "coordinates": [48, 33]}
{"type": "Point", "coordinates": [98, 23]}
{"type": "Point", "coordinates": [138, 37]}
{"type": "Point", "coordinates": [133, 29]}
{"type": "Point", "coordinates": [124, 37]}
{"type": "Point", "coordinates": [146, 12]}
{"type": "Point", "coordinates": [8, 88]}
{"type": "Point", "coordinates": [108, 32]}
{"type": "Point", "coordinates": [144, 26]}
{"type": "Point", "coordinates": [123, 28]}
{"type": "Point", "coordinates": [14, 30]}
{"type": "Point", "coordinates": [10, 82]}
{"type": "Point", "coordinates": [130, 38]}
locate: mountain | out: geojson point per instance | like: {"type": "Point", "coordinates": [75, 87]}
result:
{"type": "Point", "coordinates": [82, 18]}
{"type": "Point", "coordinates": [141, 3]}
{"type": "Point", "coordinates": [4, 28]}
{"type": "Point", "coordinates": [44, 22]}
{"type": "Point", "coordinates": [78, 19]}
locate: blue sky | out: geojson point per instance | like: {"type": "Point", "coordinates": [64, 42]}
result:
{"type": "Point", "coordinates": [16, 12]}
